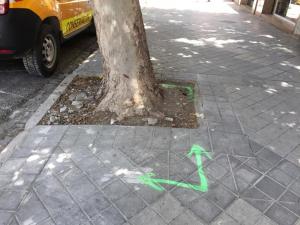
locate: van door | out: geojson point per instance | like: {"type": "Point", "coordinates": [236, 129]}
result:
{"type": "Point", "coordinates": [69, 16]}
{"type": "Point", "coordinates": [86, 12]}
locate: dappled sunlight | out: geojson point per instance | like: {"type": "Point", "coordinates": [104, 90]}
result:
{"type": "Point", "coordinates": [218, 6]}
{"type": "Point", "coordinates": [286, 84]}
{"type": "Point", "coordinates": [287, 63]}
{"type": "Point", "coordinates": [208, 41]}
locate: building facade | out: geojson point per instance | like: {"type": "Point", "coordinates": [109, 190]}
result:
{"type": "Point", "coordinates": [284, 14]}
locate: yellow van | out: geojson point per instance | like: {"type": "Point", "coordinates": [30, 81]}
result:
{"type": "Point", "coordinates": [34, 29]}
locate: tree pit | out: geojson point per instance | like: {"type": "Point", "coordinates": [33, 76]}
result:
{"type": "Point", "coordinates": [77, 106]}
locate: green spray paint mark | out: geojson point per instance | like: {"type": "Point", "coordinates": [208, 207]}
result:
{"type": "Point", "coordinates": [189, 90]}
{"type": "Point", "coordinates": [155, 183]}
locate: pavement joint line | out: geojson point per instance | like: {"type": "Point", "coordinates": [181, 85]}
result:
{"type": "Point", "coordinates": [99, 189]}
{"type": "Point", "coordinates": [73, 198]}
{"type": "Point", "coordinates": [44, 205]}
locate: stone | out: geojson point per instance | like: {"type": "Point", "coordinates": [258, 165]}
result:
{"type": "Point", "coordinates": [77, 104]}
{"type": "Point", "coordinates": [152, 121]}
{"type": "Point", "coordinates": [169, 119]}
{"type": "Point", "coordinates": [52, 119]}
{"type": "Point", "coordinates": [63, 109]}
{"type": "Point", "coordinates": [81, 96]}
{"type": "Point", "coordinates": [72, 97]}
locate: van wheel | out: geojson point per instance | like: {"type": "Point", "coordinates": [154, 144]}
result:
{"type": "Point", "coordinates": [42, 60]}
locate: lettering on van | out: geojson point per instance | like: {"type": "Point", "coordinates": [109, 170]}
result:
{"type": "Point", "coordinates": [72, 24]}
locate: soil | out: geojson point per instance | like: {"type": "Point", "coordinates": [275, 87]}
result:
{"type": "Point", "coordinates": [77, 106]}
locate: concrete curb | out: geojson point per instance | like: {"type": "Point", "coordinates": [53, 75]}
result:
{"type": "Point", "coordinates": [9, 149]}
{"type": "Point", "coordinates": [42, 110]}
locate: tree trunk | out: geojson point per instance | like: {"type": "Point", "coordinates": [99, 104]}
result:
{"type": "Point", "coordinates": [130, 86]}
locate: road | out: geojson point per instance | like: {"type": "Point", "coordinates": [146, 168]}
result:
{"type": "Point", "coordinates": [21, 94]}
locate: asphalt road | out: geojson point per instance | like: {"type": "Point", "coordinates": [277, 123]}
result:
{"type": "Point", "coordinates": [21, 93]}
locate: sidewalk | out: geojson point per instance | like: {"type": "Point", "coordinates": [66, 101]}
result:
{"type": "Point", "coordinates": [248, 75]}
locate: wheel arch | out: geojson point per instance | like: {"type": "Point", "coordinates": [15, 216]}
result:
{"type": "Point", "coordinates": [54, 22]}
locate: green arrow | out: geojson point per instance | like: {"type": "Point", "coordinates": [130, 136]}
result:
{"type": "Point", "coordinates": [148, 178]}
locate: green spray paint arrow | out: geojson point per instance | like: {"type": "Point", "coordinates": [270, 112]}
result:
{"type": "Point", "coordinates": [148, 178]}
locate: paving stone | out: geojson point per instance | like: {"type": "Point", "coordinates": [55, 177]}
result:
{"type": "Point", "coordinates": [110, 216]}
{"type": "Point", "coordinates": [259, 164]}
{"type": "Point", "coordinates": [130, 205]}
{"type": "Point", "coordinates": [31, 210]}
{"type": "Point", "coordinates": [95, 204]}
{"type": "Point", "coordinates": [257, 198]}
{"type": "Point", "coordinates": [168, 207]}
{"type": "Point", "coordinates": [294, 156]}
{"type": "Point", "coordinates": [243, 212]}
{"type": "Point", "coordinates": [148, 194]}
{"type": "Point", "coordinates": [280, 176]}
{"type": "Point", "coordinates": [186, 196]}
{"type": "Point", "coordinates": [270, 187]}
{"type": "Point", "coordinates": [295, 187]}
{"type": "Point", "coordinates": [281, 215]}
{"type": "Point", "coordinates": [10, 200]}
{"type": "Point", "coordinates": [186, 218]}
{"type": "Point", "coordinates": [206, 210]}
{"type": "Point", "coordinates": [291, 201]}
{"type": "Point", "coordinates": [236, 184]}
{"type": "Point", "coordinates": [147, 217]}
{"type": "Point", "coordinates": [224, 219]}
{"type": "Point", "coordinates": [247, 174]}
{"type": "Point", "coordinates": [70, 216]}
{"type": "Point", "coordinates": [220, 196]}
{"type": "Point", "coordinates": [116, 190]}
{"type": "Point", "coordinates": [269, 156]}
{"type": "Point", "coordinates": [289, 168]}
{"type": "Point", "coordinates": [5, 217]}
{"type": "Point", "coordinates": [265, 221]}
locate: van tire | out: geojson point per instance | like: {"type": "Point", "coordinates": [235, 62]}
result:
{"type": "Point", "coordinates": [43, 58]}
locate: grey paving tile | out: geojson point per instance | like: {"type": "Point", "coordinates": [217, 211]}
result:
{"type": "Point", "coordinates": [95, 204]}
{"type": "Point", "coordinates": [168, 207]}
{"type": "Point", "coordinates": [110, 216]}
{"type": "Point", "coordinates": [243, 212]}
{"type": "Point", "coordinates": [186, 218]}
{"type": "Point", "coordinates": [70, 216]}
{"type": "Point", "coordinates": [265, 221]}
{"type": "Point", "coordinates": [148, 194]}
{"type": "Point", "coordinates": [147, 217]}
{"type": "Point", "coordinates": [206, 210]}
{"type": "Point", "coordinates": [259, 164]}
{"type": "Point", "coordinates": [32, 210]}
{"type": "Point", "coordinates": [281, 215]}
{"type": "Point", "coordinates": [280, 176]}
{"type": "Point", "coordinates": [234, 183]}
{"type": "Point", "coordinates": [5, 217]}
{"type": "Point", "coordinates": [270, 187]}
{"type": "Point", "coordinates": [224, 219]}
{"type": "Point", "coordinates": [218, 194]}
{"type": "Point", "coordinates": [116, 190]}
{"type": "Point", "coordinates": [291, 201]}
{"type": "Point", "coordinates": [130, 205]}
{"type": "Point", "coordinates": [186, 196]}
{"type": "Point", "coordinates": [295, 187]}
{"type": "Point", "coordinates": [257, 198]}
{"type": "Point", "coordinates": [10, 200]}
{"type": "Point", "coordinates": [289, 168]}
{"type": "Point", "coordinates": [248, 174]}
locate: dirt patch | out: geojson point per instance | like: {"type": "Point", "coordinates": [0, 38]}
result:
{"type": "Point", "coordinates": [77, 106]}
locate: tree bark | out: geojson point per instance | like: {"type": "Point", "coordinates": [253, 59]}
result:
{"type": "Point", "coordinates": [130, 86]}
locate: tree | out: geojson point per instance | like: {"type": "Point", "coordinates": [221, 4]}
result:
{"type": "Point", "coordinates": [130, 85]}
